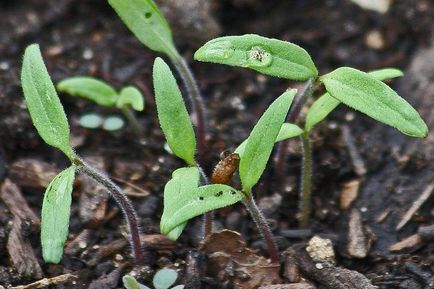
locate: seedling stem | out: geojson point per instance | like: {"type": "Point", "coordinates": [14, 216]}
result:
{"type": "Point", "coordinates": [306, 181]}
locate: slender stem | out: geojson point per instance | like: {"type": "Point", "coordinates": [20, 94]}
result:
{"type": "Point", "coordinates": [299, 101]}
{"type": "Point", "coordinates": [123, 202]}
{"type": "Point", "coordinates": [263, 227]}
{"type": "Point", "coordinates": [196, 101]}
{"type": "Point", "coordinates": [137, 128]}
{"type": "Point", "coordinates": [306, 182]}
{"type": "Point", "coordinates": [208, 217]}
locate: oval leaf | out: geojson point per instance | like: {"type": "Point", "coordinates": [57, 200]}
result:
{"type": "Point", "coordinates": [172, 113]}
{"type": "Point", "coordinates": [183, 199]}
{"type": "Point", "coordinates": [164, 278]}
{"type": "Point", "coordinates": [266, 55]}
{"type": "Point", "coordinates": [55, 215]}
{"type": "Point", "coordinates": [261, 140]}
{"type": "Point", "coordinates": [287, 131]}
{"type": "Point", "coordinates": [147, 23]}
{"type": "Point", "coordinates": [325, 104]}
{"type": "Point", "coordinates": [90, 88]}
{"type": "Point", "coordinates": [131, 96]}
{"type": "Point", "coordinates": [366, 94]}
{"type": "Point", "coordinates": [43, 103]}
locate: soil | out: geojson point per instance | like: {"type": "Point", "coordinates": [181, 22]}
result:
{"type": "Point", "coordinates": [387, 171]}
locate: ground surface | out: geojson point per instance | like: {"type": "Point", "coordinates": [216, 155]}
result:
{"type": "Point", "coordinates": [352, 153]}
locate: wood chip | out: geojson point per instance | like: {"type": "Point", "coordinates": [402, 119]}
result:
{"type": "Point", "coordinates": [358, 163]}
{"type": "Point", "coordinates": [357, 241]}
{"type": "Point", "coordinates": [32, 173]}
{"type": "Point", "coordinates": [349, 192]}
{"type": "Point", "coordinates": [416, 205]}
{"type": "Point", "coordinates": [409, 244]}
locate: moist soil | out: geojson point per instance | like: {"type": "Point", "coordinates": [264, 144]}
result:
{"type": "Point", "coordinates": [387, 171]}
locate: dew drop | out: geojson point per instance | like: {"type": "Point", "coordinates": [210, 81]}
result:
{"type": "Point", "coordinates": [259, 57]}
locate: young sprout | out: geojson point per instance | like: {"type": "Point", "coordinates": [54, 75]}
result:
{"type": "Point", "coordinates": [127, 99]}
{"type": "Point", "coordinates": [184, 198]}
{"type": "Point", "coordinates": [148, 24]}
{"type": "Point", "coordinates": [49, 118]}
{"type": "Point", "coordinates": [163, 279]}
{"type": "Point", "coordinates": [359, 90]}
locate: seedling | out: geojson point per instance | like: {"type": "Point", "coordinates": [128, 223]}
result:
{"type": "Point", "coordinates": [127, 99]}
{"type": "Point", "coordinates": [49, 118]}
{"type": "Point", "coordinates": [163, 279]}
{"type": "Point", "coordinates": [359, 90]}
{"type": "Point", "coordinates": [150, 27]}
{"type": "Point", "coordinates": [184, 197]}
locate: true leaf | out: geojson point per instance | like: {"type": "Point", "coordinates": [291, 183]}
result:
{"type": "Point", "coordinates": [43, 103]}
{"type": "Point", "coordinates": [147, 23]}
{"type": "Point", "coordinates": [130, 96]}
{"type": "Point", "coordinates": [366, 94]}
{"type": "Point", "coordinates": [287, 130]}
{"type": "Point", "coordinates": [172, 113]}
{"type": "Point", "coordinates": [164, 278]}
{"type": "Point", "coordinates": [261, 140]}
{"type": "Point", "coordinates": [90, 88]}
{"type": "Point", "coordinates": [266, 55]}
{"type": "Point", "coordinates": [55, 215]}
{"type": "Point", "coordinates": [183, 199]}
{"type": "Point", "coordinates": [325, 104]}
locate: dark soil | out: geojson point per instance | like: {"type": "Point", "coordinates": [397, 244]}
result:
{"type": "Point", "coordinates": [87, 38]}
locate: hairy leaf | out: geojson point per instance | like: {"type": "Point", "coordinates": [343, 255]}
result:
{"type": "Point", "coordinates": [287, 131]}
{"type": "Point", "coordinates": [164, 278]}
{"type": "Point", "coordinates": [183, 199]}
{"type": "Point", "coordinates": [147, 23]}
{"type": "Point", "coordinates": [261, 140]}
{"type": "Point", "coordinates": [90, 88]}
{"type": "Point", "coordinates": [266, 55]}
{"type": "Point", "coordinates": [131, 96]}
{"type": "Point", "coordinates": [325, 104]}
{"type": "Point", "coordinates": [172, 113]}
{"type": "Point", "coordinates": [55, 215]}
{"type": "Point", "coordinates": [43, 103]}
{"type": "Point", "coordinates": [366, 94]}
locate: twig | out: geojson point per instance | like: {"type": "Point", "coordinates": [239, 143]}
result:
{"type": "Point", "coordinates": [47, 282]}
{"type": "Point", "coordinates": [416, 205]}
{"type": "Point", "coordinates": [358, 163]}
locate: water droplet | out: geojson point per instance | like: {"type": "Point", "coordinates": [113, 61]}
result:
{"type": "Point", "coordinates": [221, 49]}
{"type": "Point", "coordinates": [259, 57]}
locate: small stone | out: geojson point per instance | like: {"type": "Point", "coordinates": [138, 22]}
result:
{"type": "Point", "coordinates": [87, 54]}
{"type": "Point", "coordinates": [321, 250]}
{"type": "Point", "coordinates": [319, 266]}
{"type": "Point", "coordinates": [374, 39]}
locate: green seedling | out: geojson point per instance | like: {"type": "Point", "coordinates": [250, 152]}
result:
{"type": "Point", "coordinates": [50, 120]}
{"type": "Point", "coordinates": [150, 27]}
{"type": "Point", "coordinates": [184, 196]}
{"type": "Point", "coordinates": [127, 99]}
{"type": "Point", "coordinates": [364, 92]}
{"type": "Point", "coordinates": [163, 279]}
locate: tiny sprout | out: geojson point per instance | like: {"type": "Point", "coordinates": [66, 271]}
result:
{"type": "Point", "coordinates": [129, 98]}
{"type": "Point", "coordinates": [163, 279]}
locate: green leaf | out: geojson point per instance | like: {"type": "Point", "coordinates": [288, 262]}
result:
{"type": "Point", "coordinates": [366, 94]}
{"type": "Point", "coordinates": [90, 88]}
{"type": "Point", "coordinates": [261, 140]}
{"type": "Point", "coordinates": [386, 73]}
{"type": "Point", "coordinates": [172, 113]}
{"type": "Point", "coordinates": [131, 283]}
{"type": "Point", "coordinates": [55, 215]}
{"type": "Point", "coordinates": [266, 55]}
{"type": "Point", "coordinates": [147, 23]}
{"type": "Point", "coordinates": [325, 104]}
{"type": "Point", "coordinates": [131, 96]}
{"type": "Point", "coordinates": [164, 278]}
{"type": "Point", "coordinates": [113, 123]}
{"type": "Point", "coordinates": [287, 131]}
{"type": "Point", "coordinates": [91, 120]}
{"type": "Point", "coordinates": [43, 103]}
{"type": "Point", "coordinates": [183, 199]}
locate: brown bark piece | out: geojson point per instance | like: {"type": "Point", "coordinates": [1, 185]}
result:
{"type": "Point", "coordinates": [229, 257]}
{"type": "Point", "coordinates": [32, 173]}
{"type": "Point", "coordinates": [20, 250]}
{"type": "Point", "coordinates": [330, 276]}
{"type": "Point", "coordinates": [409, 244]}
{"type": "Point", "coordinates": [349, 192]}
{"type": "Point", "coordinates": [357, 241]}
